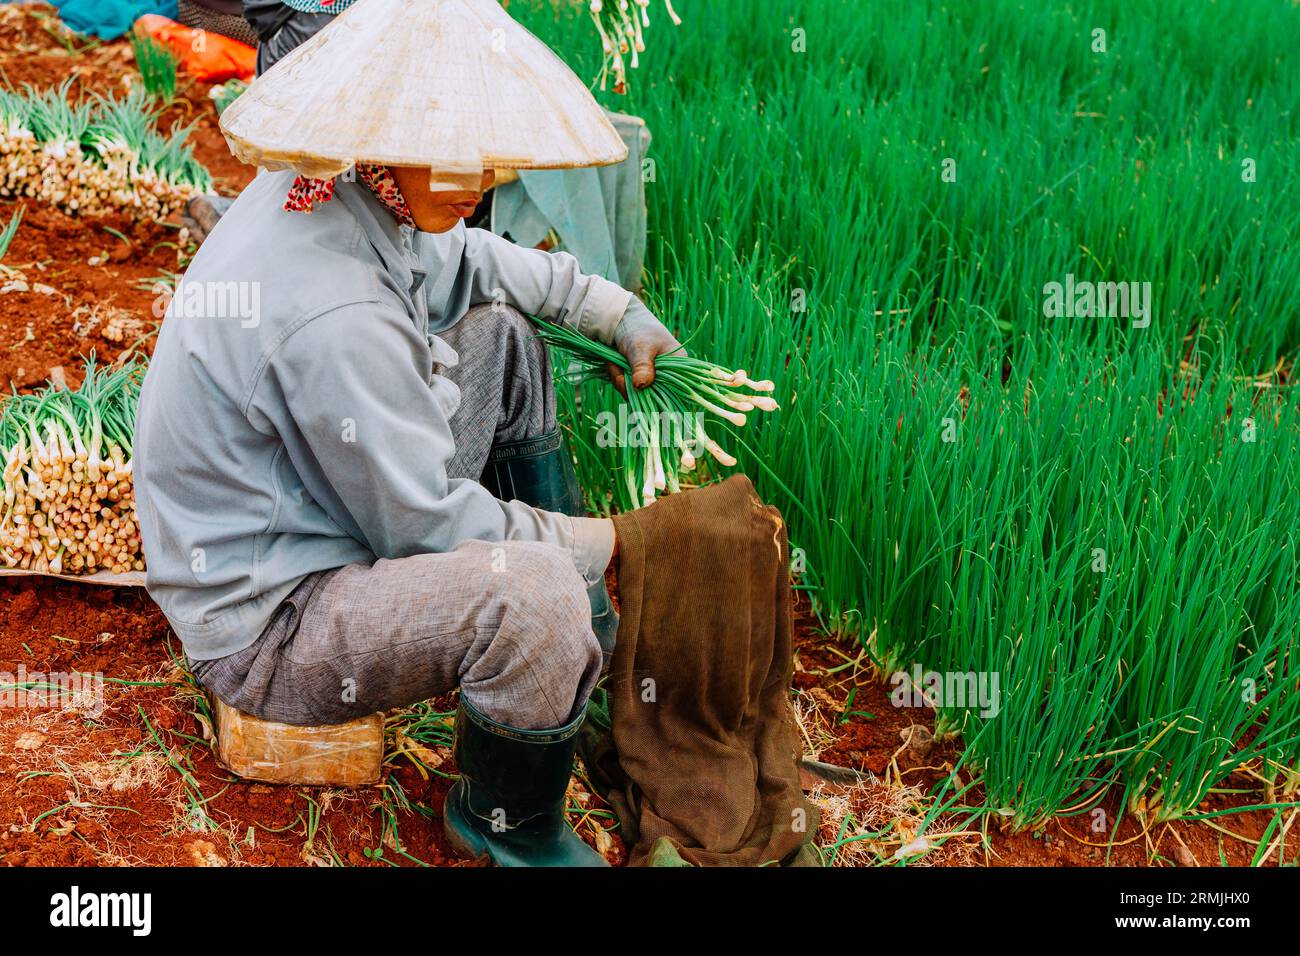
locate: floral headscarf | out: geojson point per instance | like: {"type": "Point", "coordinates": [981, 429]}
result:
{"type": "Point", "coordinates": [305, 194]}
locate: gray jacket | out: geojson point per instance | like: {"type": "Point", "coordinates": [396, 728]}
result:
{"type": "Point", "coordinates": [293, 419]}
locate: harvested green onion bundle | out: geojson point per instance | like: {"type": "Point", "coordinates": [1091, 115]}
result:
{"type": "Point", "coordinates": [663, 435]}
{"type": "Point", "coordinates": [95, 157]}
{"type": "Point", "coordinates": [621, 26]}
{"type": "Point", "coordinates": [69, 492]}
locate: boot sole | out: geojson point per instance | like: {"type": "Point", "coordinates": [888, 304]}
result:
{"type": "Point", "coordinates": [476, 848]}
{"type": "Point", "coordinates": [461, 846]}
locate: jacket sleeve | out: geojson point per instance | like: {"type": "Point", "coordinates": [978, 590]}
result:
{"type": "Point", "coordinates": [368, 431]}
{"type": "Point", "coordinates": [549, 285]}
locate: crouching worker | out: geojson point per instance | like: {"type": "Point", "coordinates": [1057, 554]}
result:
{"type": "Point", "coordinates": [352, 491]}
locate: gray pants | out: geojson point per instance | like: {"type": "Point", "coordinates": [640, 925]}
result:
{"type": "Point", "coordinates": [509, 621]}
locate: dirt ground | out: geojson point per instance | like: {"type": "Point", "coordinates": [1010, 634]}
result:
{"type": "Point", "coordinates": [89, 284]}
{"type": "Point", "coordinates": [136, 784]}
{"type": "Point", "coordinates": [881, 745]}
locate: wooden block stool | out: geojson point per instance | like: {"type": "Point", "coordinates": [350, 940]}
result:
{"type": "Point", "coordinates": [334, 755]}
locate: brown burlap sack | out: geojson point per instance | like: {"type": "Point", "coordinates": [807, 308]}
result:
{"type": "Point", "coordinates": [703, 754]}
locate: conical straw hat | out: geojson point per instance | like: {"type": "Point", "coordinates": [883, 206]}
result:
{"type": "Point", "coordinates": [456, 86]}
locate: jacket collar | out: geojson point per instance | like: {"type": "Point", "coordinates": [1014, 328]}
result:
{"type": "Point", "coordinates": [390, 239]}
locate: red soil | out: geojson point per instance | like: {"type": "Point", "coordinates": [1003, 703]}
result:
{"type": "Point", "coordinates": [120, 802]}
{"type": "Point", "coordinates": [89, 288]}
{"type": "Point", "coordinates": [877, 745]}
{"type": "Point", "coordinates": [116, 800]}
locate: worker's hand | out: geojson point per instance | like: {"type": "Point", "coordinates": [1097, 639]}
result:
{"type": "Point", "coordinates": [641, 338]}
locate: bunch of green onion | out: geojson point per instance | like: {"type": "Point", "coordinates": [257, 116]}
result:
{"type": "Point", "coordinates": [667, 437]}
{"type": "Point", "coordinates": [95, 156]}
{"type": "Point", "coordinates": [69, 493]}
{"type": "Point", "coordinates": [620, 24]}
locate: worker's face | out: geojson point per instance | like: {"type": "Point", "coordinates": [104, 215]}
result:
{"type": "Point", "coordinates": [437, 211]}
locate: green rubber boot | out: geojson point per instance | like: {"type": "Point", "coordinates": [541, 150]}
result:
{"type": "Point", "coordinates": [539, 472]}
{"type": "Point", "coordinates": [508, 805]}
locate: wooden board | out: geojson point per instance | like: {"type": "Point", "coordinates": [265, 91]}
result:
{"type": "Point", "coordinates": [126, 579]}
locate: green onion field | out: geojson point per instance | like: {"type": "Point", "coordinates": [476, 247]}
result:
{"type": "Point", "coordinates": [870, 207]}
